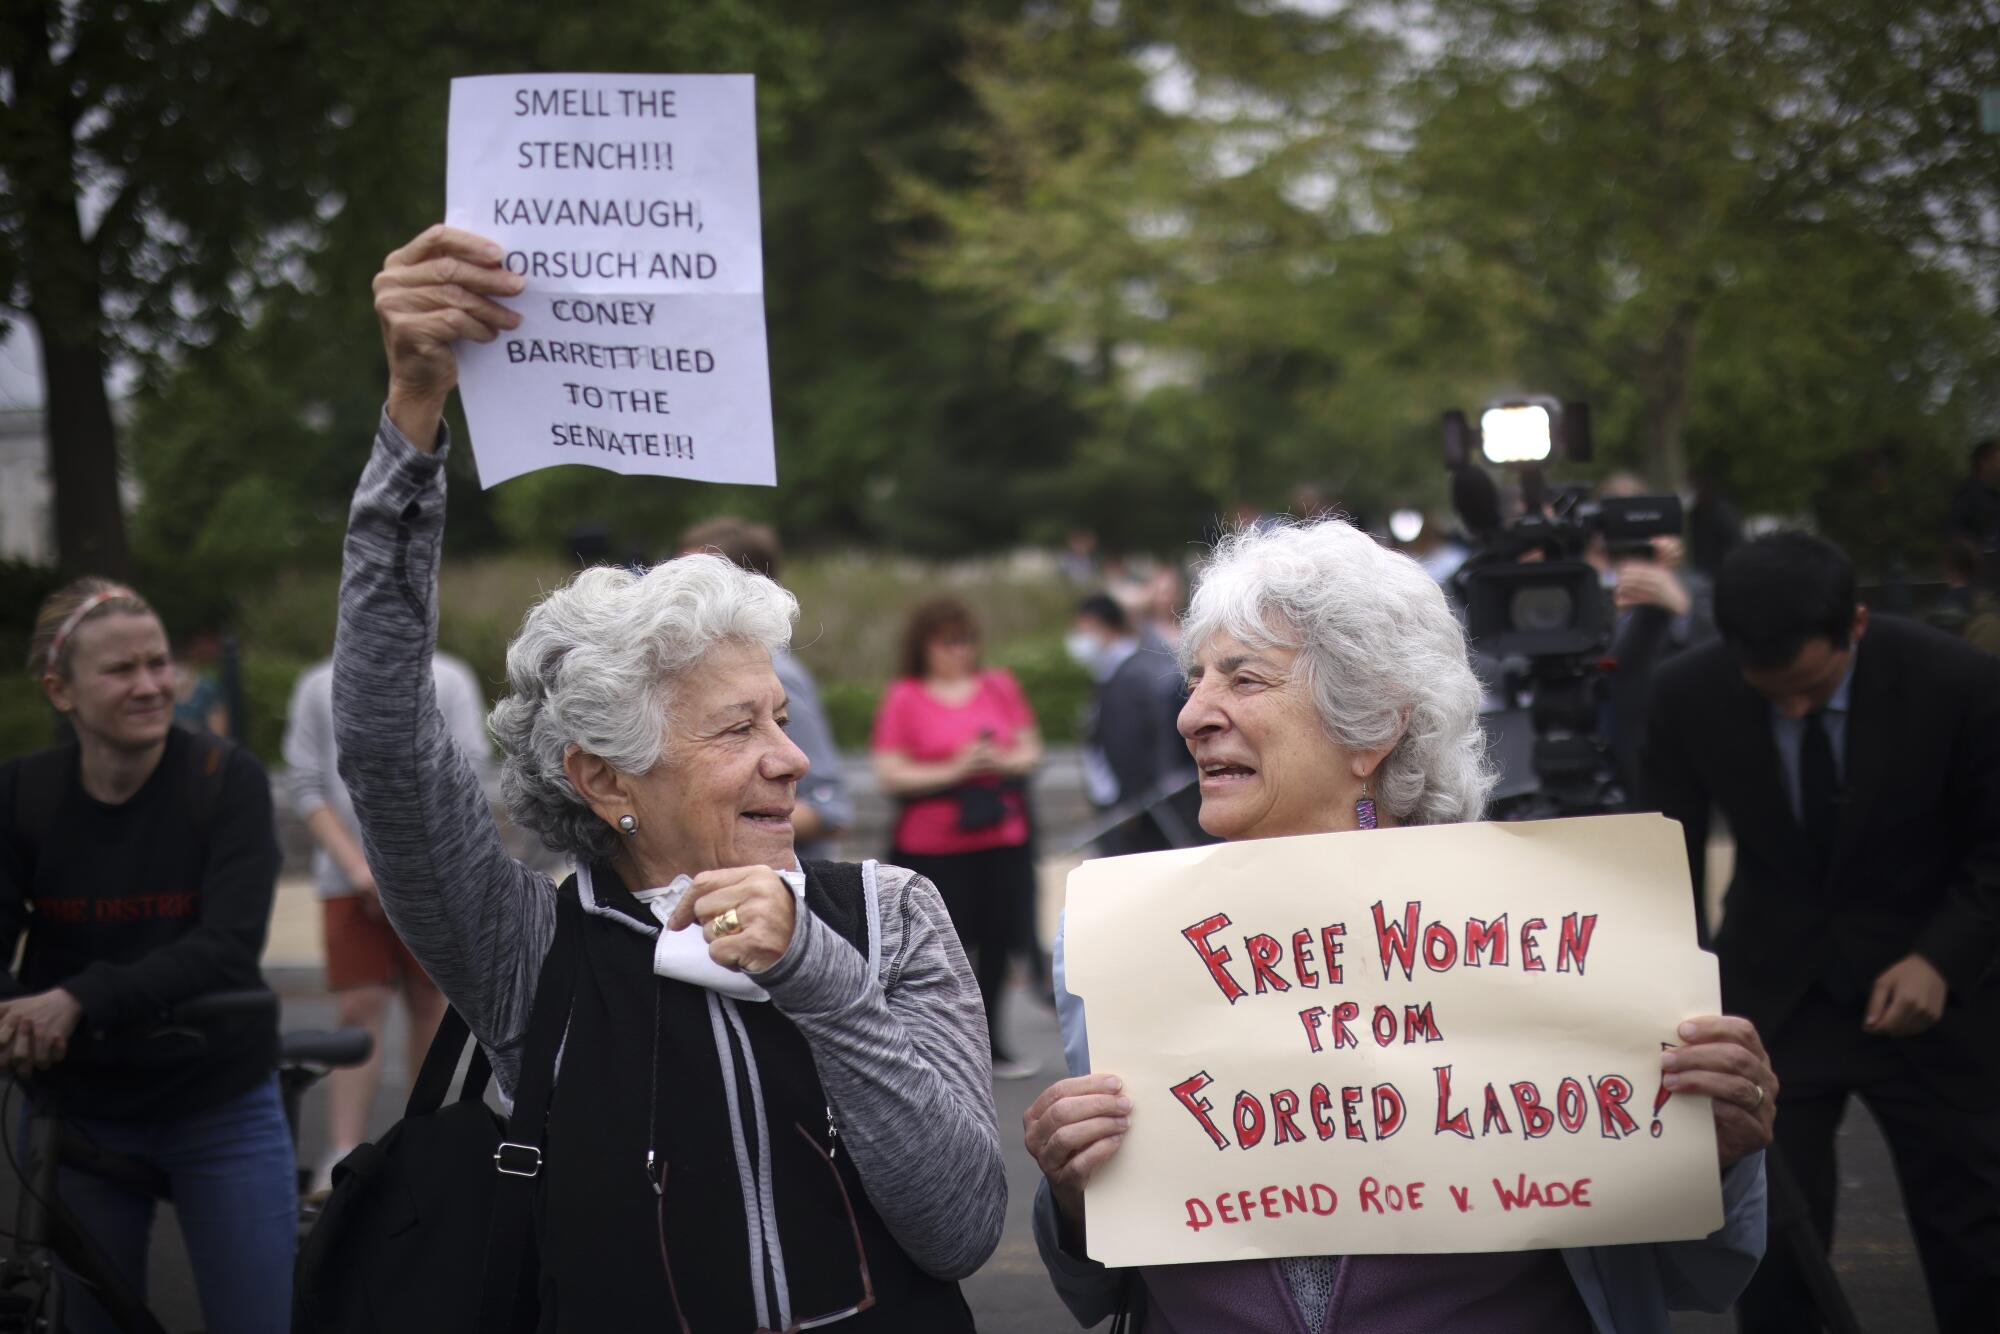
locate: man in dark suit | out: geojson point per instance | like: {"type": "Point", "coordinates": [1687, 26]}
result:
{"type": "Point", "coordinates": [1857, 763]}
{"type": "Point", "coordinates": [1132, 750]}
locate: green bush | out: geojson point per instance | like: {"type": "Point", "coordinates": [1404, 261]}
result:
{"type": "Point", "coordinates": [267, 689]}
{"type": "Point", "coordinates": [1057, 690]}
{"type": "Point", "coordinates": [853, 608]}
{"type": "Point", "coordinates": [850, 711]}
{"type": "Point", "coordinates": [22, 588]}
{"type": "Point", "coordinates": [26, 720]}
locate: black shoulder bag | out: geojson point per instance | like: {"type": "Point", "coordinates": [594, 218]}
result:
{"type": "Point", "coordinates": [447, 1192]}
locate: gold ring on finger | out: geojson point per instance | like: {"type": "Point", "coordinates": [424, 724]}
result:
{"type": "Point", "coordinates": [728, 924]}
{"type": "Point", "coordinates": [1760, 1098]}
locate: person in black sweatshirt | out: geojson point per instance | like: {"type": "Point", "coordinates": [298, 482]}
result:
{"type": "Point", "coordinates": [141, 861]}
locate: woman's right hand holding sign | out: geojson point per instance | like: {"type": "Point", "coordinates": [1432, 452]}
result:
{"type": "Point", "coordinates": [434, 291]}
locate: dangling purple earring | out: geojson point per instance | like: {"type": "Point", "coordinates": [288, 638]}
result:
{"type": "Point", "coordinates": [1364, 808]}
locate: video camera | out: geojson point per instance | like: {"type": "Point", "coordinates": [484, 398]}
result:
{"type": "Point", "coordinates": [1530, 593]}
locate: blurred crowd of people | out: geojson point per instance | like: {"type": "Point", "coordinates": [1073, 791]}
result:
{"type": "Point", "coordinates": [1851, 758]}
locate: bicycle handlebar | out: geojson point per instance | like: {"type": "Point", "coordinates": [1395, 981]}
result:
{"type": "Point", "coordinates": [223, 1004]}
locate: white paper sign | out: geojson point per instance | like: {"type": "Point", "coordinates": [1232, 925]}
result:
{"type": "Point", "coordinates": [629, 203]}
{"type": "Point", "coordinates": [1396, 1041]}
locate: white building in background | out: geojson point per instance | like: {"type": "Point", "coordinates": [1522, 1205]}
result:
{"type": "Point", "coordinates": [27, 503]}
{"type": "Point", "coordinates": [27, 515]}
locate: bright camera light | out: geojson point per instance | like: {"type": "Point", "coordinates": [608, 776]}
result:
{"type": "Point", "coordinates": [1516, 433]}
{"type": "Point", "coordinates": [1406, 525]}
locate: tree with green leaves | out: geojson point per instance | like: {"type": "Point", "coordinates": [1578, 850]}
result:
{"type": "Point", "coordinates": [904, 415]}
{"type": "Point", "coordinates": [1615, 170]}
{"type": "Point", "coordinates": [161, 166]}
{"type": "Point", "coordinates": [1757, 236]}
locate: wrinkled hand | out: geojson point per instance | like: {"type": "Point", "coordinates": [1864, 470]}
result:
{"type": "Point", "coordinates": [1908, 998]}
{"type": "Point", "coordinates": [1072, 1130]}
{"type": "Point", "coordinates": [35, 1030]}
{"type": "Point", "coordinates": [1641, 584]}
{"type": "Point", "coordinates": [429, 294]}
{"type": "Point", "coordinates": [1724, 1060]}
{"type": "Point", "coordinates": [763, 903]}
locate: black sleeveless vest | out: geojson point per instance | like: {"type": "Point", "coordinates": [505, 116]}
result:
{"type": "Point", "coordinates": [759, 1220]}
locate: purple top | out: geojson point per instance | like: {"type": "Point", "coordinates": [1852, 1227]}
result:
{"type": "Point", "coordinates": [1372, 1294]}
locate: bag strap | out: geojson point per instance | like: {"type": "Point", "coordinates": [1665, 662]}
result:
{"type": "Point", "coordinates": [433, 1082]}
{"type": "Point", "coordinates": [510, 1286]}
{"type": "Point", "coordinates": [208, 767]}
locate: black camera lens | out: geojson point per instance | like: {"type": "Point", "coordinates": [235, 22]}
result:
{"type": "Point", "coordinates": [1541, 607]}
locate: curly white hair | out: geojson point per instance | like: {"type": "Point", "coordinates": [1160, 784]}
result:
{"type": "Point", "coordinates": [1382, 655]}
{"type": "Point", "coordinates": [594, 668]}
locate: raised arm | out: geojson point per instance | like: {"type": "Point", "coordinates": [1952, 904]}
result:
{"type": "Point", "coordinates": [903, 1058]}
{"type": "Point", "coordinates": [478, 921]}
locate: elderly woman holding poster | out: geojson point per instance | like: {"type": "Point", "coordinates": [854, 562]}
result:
{"type": "Point", "coordinates": [1329, 690]}
{"type": "Point", "coordinates": [771, 1107]}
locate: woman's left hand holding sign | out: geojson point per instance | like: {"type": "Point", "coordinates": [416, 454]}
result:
{"type": "Point", "coordinates": [747, 914]}
{"type": "Point", "coordinates": [1725, 1059]}
{"type": "Point", "coordinates": [432, 292]}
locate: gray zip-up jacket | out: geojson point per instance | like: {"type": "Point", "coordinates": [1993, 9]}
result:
{"type": "Point", "coordinates": [901, 1052]}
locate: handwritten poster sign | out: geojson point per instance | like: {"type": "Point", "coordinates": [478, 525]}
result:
{"type": "Point", "coordinates": [629, 204]}
{"type": "Point", "coordinates": [1400, 1040]}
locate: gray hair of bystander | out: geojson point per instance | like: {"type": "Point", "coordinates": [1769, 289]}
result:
{"type": "Point", "coordinates": [1382, 655]}
{"type": "Point", "coordinates": [594, 668]}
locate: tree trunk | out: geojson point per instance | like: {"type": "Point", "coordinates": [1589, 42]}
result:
{"type": "Point", "coordinates": [1666, 401]}
{"type": "Point", "coordinates": [65, 300]}
{"type": "Point", "coordinates": [83, 451]}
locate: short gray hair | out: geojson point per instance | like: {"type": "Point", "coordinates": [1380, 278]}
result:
{"type": "Point", "coordinates": [594, 667]}
{"type": "Point", "coordinates": [1379, 649]}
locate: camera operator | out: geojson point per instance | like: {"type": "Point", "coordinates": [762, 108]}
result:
{"type": "Point", "coordinates": [1571, 609]}
{"type": "Point", "coordinates": [1659, 610]}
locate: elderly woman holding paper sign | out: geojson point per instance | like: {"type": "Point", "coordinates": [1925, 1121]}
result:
{"type": "Point", "coordinates": [772, 1106]}
{"type": "Point", "coordinates": [1329, 690]}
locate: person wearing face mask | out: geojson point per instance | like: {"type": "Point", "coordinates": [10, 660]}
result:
{"type": "Point", "coordinates": [772, 1108]}
{"type": "Point", "coordinates": [140, 861]}
{"type": "Point", "coordinates": [1131, 752]}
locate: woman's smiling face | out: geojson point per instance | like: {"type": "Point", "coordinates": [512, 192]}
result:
{"type": "Point", "coordinates": [1267, 766]}
{"type": "Point", "coordinates": [722, 794]}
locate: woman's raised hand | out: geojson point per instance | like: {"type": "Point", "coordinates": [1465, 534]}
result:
{"type": "Point", "coordinates": [1072, 1130]}
{"type": "Point", "coordinates": [434, 291]}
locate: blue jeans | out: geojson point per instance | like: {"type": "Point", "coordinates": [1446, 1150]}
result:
{"type": "Point", "coordinates": [234, 1189]}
